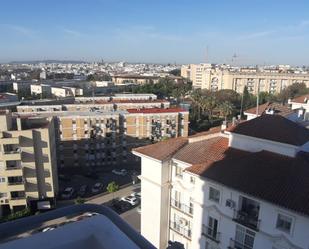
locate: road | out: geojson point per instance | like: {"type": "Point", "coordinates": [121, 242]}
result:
{"type": "Point", "coordinates": [120, 193]}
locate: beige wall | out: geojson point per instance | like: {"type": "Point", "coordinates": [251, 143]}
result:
{"type": "Point", "coordinates": [32, 152]}
{"type": "Point", "coordinates": [216, 79]}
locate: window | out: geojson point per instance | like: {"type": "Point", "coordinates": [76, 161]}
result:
{"type": "Point", "coordinates": [2, 179]}
{"type": "Point", "coordinates": [244, 238]}
{"type": "Point", "coordinates": [214, 194]}
{"type": "Point", "coordinates": [192, 180]}
{"type": "Point", "coordinates": [212, 228]}
{"type": "Point", "coordinates": [284, 223]}
{"type": "Point", "coordinates": [178, 171]}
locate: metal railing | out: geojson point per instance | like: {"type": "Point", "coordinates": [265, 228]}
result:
{"type": "Point", "coordinates": [247, 219]}
{"type": "Point", "coordinates": [181, 229]}
{"type": "Point", "coordinates": [238, 245]}
{"type": "Point", "coordinates": [16, 183]}
{"type": "Point", "coordinates": [182, 207]}
{"type": "Point", "coordinates": [211, 233]}
{"type": "Point", "coordinates": [13, 167]}
{"type": "Point", "coordinates": [13, 228]}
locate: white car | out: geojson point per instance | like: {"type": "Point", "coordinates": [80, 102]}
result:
{"type": "Point", "coordinates": [97, 187]}
{"type": "Point", "coordinates": [67, 193]}
{"type": "Point", "coordinates": [136, 194]}
{"type": "Point", "coordinates": [121, 172]}
{"type": "Point", "coordinates": [46, 229]}
{"type": "Point", "coordinates": [130, 199]}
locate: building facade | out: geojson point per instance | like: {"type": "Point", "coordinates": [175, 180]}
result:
{"type": "Point", "coordinates": [97, 137]}
{"type": "Point", "coordinates": [242, 188]}
{"type": "Point", "coordinates": [27, 162]}
{"type": "Point", "coordinates": [203, 76]}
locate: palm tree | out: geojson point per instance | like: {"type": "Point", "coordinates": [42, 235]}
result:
{"type": "Point", "coordinates": [226, 109]}
{"type": "Point", "coordinates": [209, 104]}
{"type": "Point", "coordinates": [196, 97]}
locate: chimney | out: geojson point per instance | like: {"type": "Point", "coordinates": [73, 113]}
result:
{"type": "Point", "coordinates": [224, 126]}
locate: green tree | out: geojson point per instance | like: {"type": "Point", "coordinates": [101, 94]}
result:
{"type": "Point", "coordinates": [226, 109]}
{"type": "Point", "coordinates": [112, 187]}
{"type": "Point", "coordinates": [209, 104]}
{"type": "Point", "coordinates": [79, 200]}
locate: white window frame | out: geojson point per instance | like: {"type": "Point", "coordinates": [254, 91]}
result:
{"type": "Point", "coordinates": [209, 196]}
{"type": "Point", "coordinates": [285, 216]}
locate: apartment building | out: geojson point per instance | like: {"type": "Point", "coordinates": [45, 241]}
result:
{"type": "Point", "coordinates": [28, 169]}
{"type": "Point", "coordinates": [96, 137]}
{"type": "Point", "coordinates": [118, 96]}
{"type": "Point", "coordinates": [40, 89]}
{"type": "Point", "coordinates": [156, 123]}
{"type": "Point", "coordinates": [203, 76]}
{"type": "Point", "coordinates": [97, 105]}
{"type": "Point", "coordinates": [245, 188]}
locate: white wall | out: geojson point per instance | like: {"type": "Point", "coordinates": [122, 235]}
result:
{"type": "Point", "coordinates": [267, 237]}
{"type": "Point", "coordinates": [253, 144]}
{"type": "Point", "coordinates": [155, 199]}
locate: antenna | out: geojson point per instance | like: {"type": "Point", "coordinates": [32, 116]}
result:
{"type": "Point", "coordinates": [234, 57]}
{"type": "Point", "coordinates": [207, 54]}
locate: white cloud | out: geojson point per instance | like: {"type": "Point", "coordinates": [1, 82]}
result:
{"type": "Point", "coordinates": [72, 32]}
{"type": "Point", "coordinates": [19, 29]}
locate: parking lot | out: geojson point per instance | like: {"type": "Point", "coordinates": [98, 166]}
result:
{"type": "Point", "coordinates": [89, 180]}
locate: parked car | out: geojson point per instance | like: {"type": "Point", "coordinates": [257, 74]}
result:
{"type": "Point", "coordinates": [121, 206]}
{"type": "Point", "coordinates": [136, 194]}
{"type": "Point", "coordinates": [64, 178]}
{"type": "Point", "coordinates": [130, 199]}
{"type": "Point", "coordinates": [92, 174]}
{"type": "Point", "coordinates": [121, 172]}
{"type": "Point", "coordinates": [67, 193]}
{"type": "Point", "coordinates": [50, 228]}
{"type": "Point", "coordinates": [82, 190]}
{"type": "Point", "coordinates": [97, 187]}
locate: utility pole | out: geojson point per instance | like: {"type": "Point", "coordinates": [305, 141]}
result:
{"type": "Point", "coordinates": [258, 98]}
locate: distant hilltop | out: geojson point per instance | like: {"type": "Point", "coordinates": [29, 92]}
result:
{"type": "Point", "coordinates": [47, 61]}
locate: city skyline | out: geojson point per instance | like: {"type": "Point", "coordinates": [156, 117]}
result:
{"type": "Point", "coordinates": [160, 32]}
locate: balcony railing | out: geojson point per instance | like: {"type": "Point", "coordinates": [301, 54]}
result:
{"type": "Point", "coordinates": [13, 167]}
{"type": "Point", "coordinates": [238, 245]}
{"type": "Point", "coordinates": [8, 152]}
{"type": "Point", "coordinates": [16, 183]}
{"type": "Point", "coordinates": [180, 229]}
{"type": "Point", "coordinates": [182, 207]}
{"type": "Point", "coordinates": [211, 233]}
{"type": "Point", "coordinates": [246, 219]}
{"type": "Point", "coordinates": [18, 197]}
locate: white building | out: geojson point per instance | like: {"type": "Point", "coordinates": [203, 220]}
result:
{"type": "Point", "coordinates": [302, 104]}
{"type": "Point", "coordinates": [40, 89]}
{"type": "Point", "coordinates": [246, 188]}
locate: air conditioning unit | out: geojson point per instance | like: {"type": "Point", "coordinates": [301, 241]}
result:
{"type": "Point", "coordinates": [230, 203]}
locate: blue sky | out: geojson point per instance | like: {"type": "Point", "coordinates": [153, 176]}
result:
{"type": "Point", "coordinates": [258, 31]}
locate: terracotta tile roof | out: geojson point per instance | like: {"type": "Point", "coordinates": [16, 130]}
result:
{"type": "Point", "coordinates": [272, 177]}
{"type": "Point", "coordinates": [162, 150]}
{"type": "Point", "coordinates": [301, 99]}
{"type": "Point", "coordinates": [273, 127]}
{"type": "Point", "coordinates": [262, 108]}
{"type": "Point", "coordinates": [206, 150]}
{"type": "Point", "coordinates": [278, 108]}
{"type": "Point", "coordinates": [156, 110]}
{"type": "Point", "coordinates": [212, 130]}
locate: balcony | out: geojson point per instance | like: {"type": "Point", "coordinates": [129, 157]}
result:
{"type": "Point", "coordinates": [10, 155]}
{"type": "Point", "coordinates": [237, 245]}
{"type": "Point", "coordinates": [16, 186]}
{"type": "Point", "coordinates": [181, 229]}
{"type": "Point", "coordinates": [10, 140]}
{"type": "Point", "coordinates": [248, 219]}
{"type": "Point", "coordinates": [210, 233]}
{"type": "Point", "coordinates": [182, 207]}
